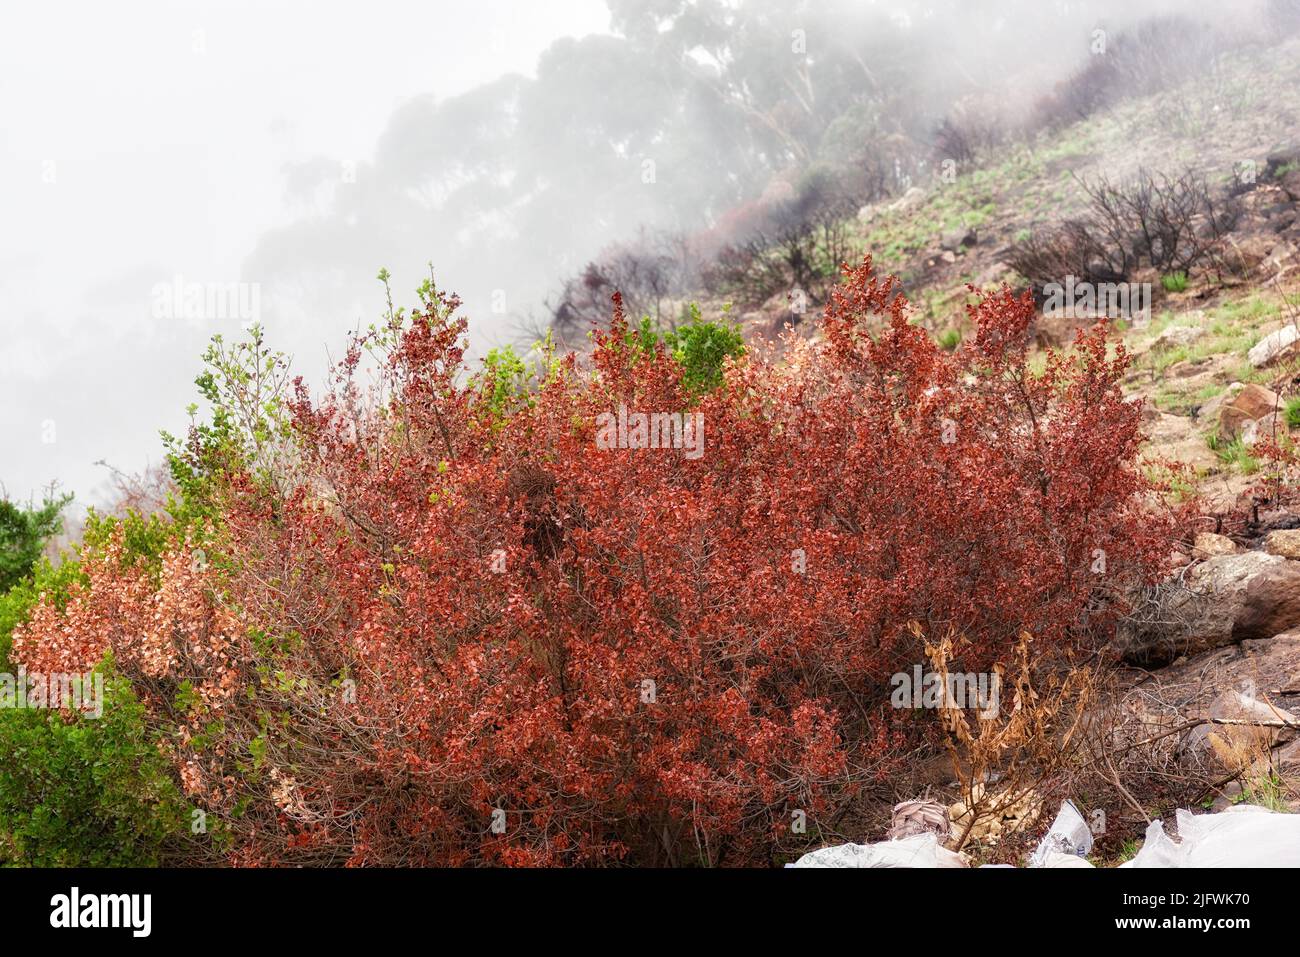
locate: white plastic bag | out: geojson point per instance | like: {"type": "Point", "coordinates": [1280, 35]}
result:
{"type": "Point", "coordinates": [1068, 836]}
{"type": "Point", "coordinates": [1243, 836]}
{"type": "Point", "coordinates": [919, 850]}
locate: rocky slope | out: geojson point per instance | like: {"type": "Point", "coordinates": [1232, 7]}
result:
{"type": "Point", "coordinates": [1216, 367]}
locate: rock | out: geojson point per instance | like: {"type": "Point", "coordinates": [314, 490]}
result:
{"type": "Point", "coordinates": [1284, 542]}
{"type": "Point", "coordinates": [1210, 544]}
{"type": "Point", "coordinates": [1255, 678]}
{"type": "Point", "coordinates": [1274, 346]}
{"type": "Point", "coordinates": [1174, 336]}
{"type": "Point", "coordinates": [1291, 183]}
{"type": "Point", "coordinates": [1239, 746]}
{"type": "Point", "coordinates": [959, 238]}
{"type": "Point", "coordinates": [1056, 329]}
{"type": "Point", "coordinates": [1272, 519]}
{"type": "Point", "coordinates": [995, 273]}
{"type": "Point", "coordinates": [1209, 411]}
{"type": "Point", "coordinates": [866, 213]}
{"type": "Point", "coordinates": [1188, 368]}
{"type": "Point", "coordinates": [911, 199]}
{"type": "Point", "coordinates": [1253, 402]}
{"type": "Point", "coordinates": [1271, 426]}
{"type": "Point", "coordinates": [1243, 255]}
{"type": "Point", "coordinates": [1285, 157]}
{"type": "Point", "coordinates": [1257, 668]}
{"type": "Point", "coordinates": [1277, 260]}
{"type": "Point", "coordinates": [1286, 760]}
{"type": "Point", "coordinates": [1270, 603]}
{"type": "Point", "coordinates": [1225, 599]}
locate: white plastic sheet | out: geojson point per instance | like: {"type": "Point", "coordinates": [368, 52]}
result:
{"type": "Point", "coordinates": [919, 850]}
{"type": "Point", "coordinates": [1243, 836]}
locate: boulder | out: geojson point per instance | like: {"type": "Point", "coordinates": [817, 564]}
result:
{"type": "Point", "coordinates": [1210, 409]}
{"type": "Point", "coordinates": [1274, 347]}
{"type": "Point", "coordinates": [1271, 426]}
{"type": "Point", "coordinates": [1266, 668]}
{"type": "Point", "coordinates": [1175, 437]}
{"type": "Point", "coordinates": [1253, 402]}
{"type": "Point", "coordinates": [1254, 680]}
{"type": "Point", "coordinates": [1223, 600]}
{"type": "Point", "coordinates": [1286, 157]}
{"type": "Point", "coordinates": [1171, 337]}
{"type": "Point", "coordinates": [1270, 602]}
{"type": "Point", "coordinates": [1284, 542]}
{"type": "Point", "coordinates": [1273, 519]}
{"type": "Point", "coordinates": [959, 238]}
{"type": "Point", "coordinates": [1244, 254]}
{"type": "Point", "coordinates": [1291, 183]}
{"type": "Point", "coordinates": [992, 275]}
{"type": "Point", "coordinates": [1209, 545]}
{"type": "Point", "coordinates": [1239, 746]}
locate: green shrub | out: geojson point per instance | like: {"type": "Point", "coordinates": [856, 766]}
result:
{"type": "Point", "coordinates": [85, 792]}
{"type": "Point", "coordinates": [1174, 281]}
{"type": "Point", "coordinates": [701, 347]}
{"type": "Point", "coordinates": [80, 791]}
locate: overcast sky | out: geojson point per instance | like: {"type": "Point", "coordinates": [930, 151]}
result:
{"type": "Point", "coordinates": [283, 151]}
{"type": "Point", "coordinates": [147, 141]}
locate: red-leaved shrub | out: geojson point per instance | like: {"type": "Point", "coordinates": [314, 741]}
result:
{"type": "Point", "coordinates": [468, 636]}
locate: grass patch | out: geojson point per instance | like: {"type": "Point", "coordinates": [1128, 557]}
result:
{"type": "Point", "coordinates": [1174, 281]}
{"type": "Point", "coordinates": [1234, 452]}
{"type": "Point", "coordinates": [1291, 413]}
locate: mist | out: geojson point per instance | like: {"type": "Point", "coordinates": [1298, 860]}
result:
{"type": "Point", "coordinates": [241, 162]}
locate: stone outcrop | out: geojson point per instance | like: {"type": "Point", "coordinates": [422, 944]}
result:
{"type": "Point", "coordinates": [1226, 599]}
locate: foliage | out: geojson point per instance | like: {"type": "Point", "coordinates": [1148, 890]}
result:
{"type": "Point", "coordinates": [85, 792]}
{"type": "Point", "coordinates": [440, 638]}
{"type": "Point", "coordinates": [701, 348]}
{"type": "Point", "coordinates": [80, 790]}
{"type": "Point", "coordinates": [23, 533]}
{"type": "Point", "coordinates": [1291, 413]}
{"type": "Point", "coordinates": [797, 247]}
{"type": "Point", "coordinates": [505, 379]}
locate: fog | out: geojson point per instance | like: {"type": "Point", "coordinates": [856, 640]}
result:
{"type": "Point", "coordinates": [273, 156]}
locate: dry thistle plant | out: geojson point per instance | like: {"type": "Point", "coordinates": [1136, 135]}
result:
{"type": "Point", "coordinates": [1024, 748]}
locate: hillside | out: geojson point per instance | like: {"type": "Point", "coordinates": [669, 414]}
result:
{"type": "Point", "coordinates": [1214, 366]}
{"type": "Point", "coordinates": [917, 454]}
{"type": "Point", "coordinates": [1240, 130]}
